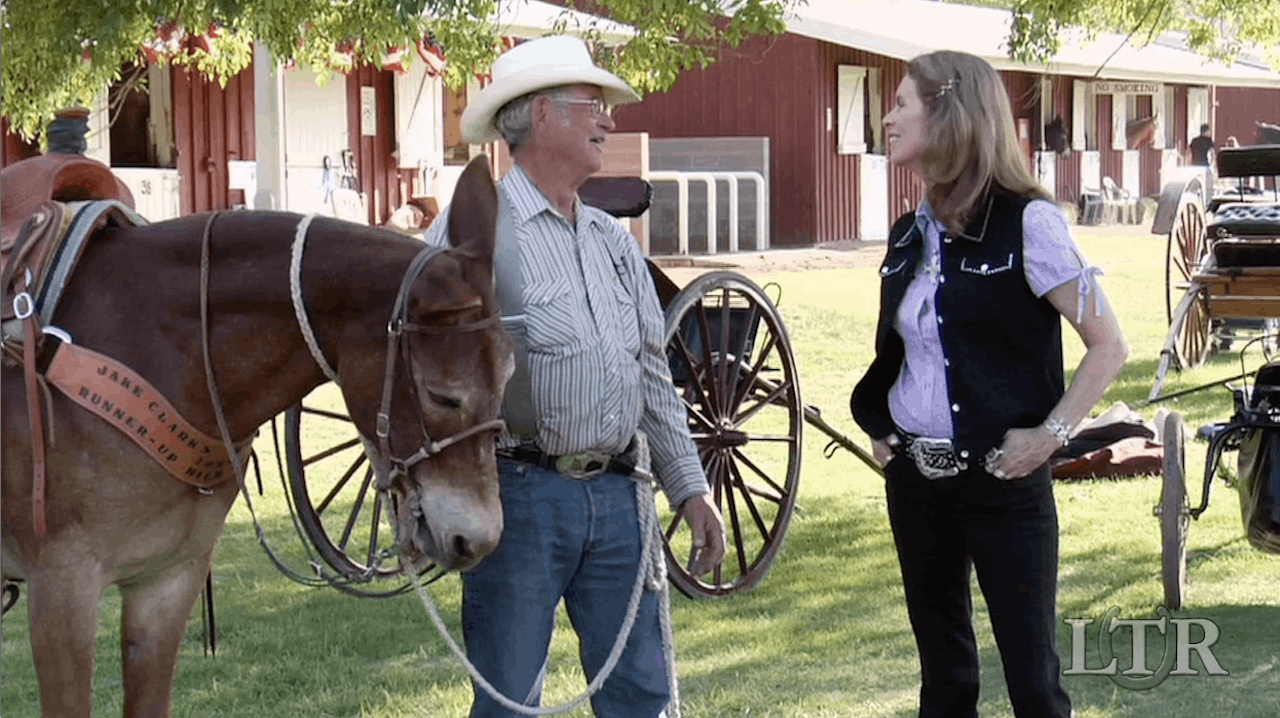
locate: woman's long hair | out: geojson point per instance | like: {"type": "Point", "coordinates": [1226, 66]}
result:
{"type": "Point", "coordinates": [971, 146]}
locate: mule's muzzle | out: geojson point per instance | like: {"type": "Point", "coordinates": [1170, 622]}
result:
{"type": "Point", "coordinates": [453, 529]}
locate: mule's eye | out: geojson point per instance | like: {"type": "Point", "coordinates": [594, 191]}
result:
{"type": "Point", "coordinates": [445, 401]}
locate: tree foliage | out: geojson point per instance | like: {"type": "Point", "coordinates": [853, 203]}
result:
{"type": "Point", "coordinates": [1221, 29]}
{"type": "Point", "coordinates": [59, 53]}
{"type": "Point", "coordinates": [63, 52]}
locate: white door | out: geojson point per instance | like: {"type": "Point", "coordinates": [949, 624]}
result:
{"type": "Point", "coordinates": [1133, 172]}
{"type": "Point", "coordinates": [315, 127]}
{"type": "Point", "coordinates": [873, 222]}
{"type": "Point", "coordinates": [155, 191]}
{"type": "Point", "coordinates": [1047, 171]}
{"type": "Point", "coordinates": [99, 137]}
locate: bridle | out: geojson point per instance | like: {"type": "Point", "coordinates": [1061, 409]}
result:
{"type": "Point", "coordinates": [398, 329]}
{"type": "Point", "coordinates": [397, 337]}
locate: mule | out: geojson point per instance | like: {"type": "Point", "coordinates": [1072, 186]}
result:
{"type": "Point", "coordinates": [115, 516]}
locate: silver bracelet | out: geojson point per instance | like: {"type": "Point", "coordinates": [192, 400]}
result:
{"type": "Point", "coordinates": [1060, 430]}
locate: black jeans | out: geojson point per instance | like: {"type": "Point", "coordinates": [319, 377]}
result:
{"type": "Point", "coordinates": [1008, 532]}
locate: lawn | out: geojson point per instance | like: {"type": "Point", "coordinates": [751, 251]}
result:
{"type": "Point", "coordinates": [825, 634]}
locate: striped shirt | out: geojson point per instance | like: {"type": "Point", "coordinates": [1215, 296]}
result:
{"type": "Point", "coordinates": [597, 357]}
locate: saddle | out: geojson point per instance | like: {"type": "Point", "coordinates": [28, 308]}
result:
{"type": "Point", "coordinates": [26, 184]}
{"type": "Point", "coordinates": [40, 200]}
{"type": "Point", "coordinates": [41, 240]}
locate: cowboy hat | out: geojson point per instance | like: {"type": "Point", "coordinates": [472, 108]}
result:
{"type": "Point", "coordinates": [532, 66]}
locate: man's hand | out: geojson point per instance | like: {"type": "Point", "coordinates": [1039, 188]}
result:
{"type": "Point", "coordinates": [708, 533]}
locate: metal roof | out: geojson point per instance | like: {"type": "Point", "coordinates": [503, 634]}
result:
{"type": "Point", "coordinates": [903, 29]}
{"type": "Point", "coordinates": [533, 18]}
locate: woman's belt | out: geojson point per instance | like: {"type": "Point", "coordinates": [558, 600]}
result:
{"type": "Point", "coordinates": [937, 458]}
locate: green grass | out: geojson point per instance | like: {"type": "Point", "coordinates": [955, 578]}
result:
{"type": "Point", "coordinates": [825, 633]}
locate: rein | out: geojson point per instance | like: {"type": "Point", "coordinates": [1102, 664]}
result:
{"type": "Point", "coordinates": [397, 329]}
{"type": "Point", "coordinates": [429, 448]}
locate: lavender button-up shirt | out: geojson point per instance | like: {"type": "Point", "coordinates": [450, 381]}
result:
{"type": "Point", "coordinates": [918, 399]}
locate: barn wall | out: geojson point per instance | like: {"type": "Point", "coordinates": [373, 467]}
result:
{"type": "Point", "coordinates": [838, 180]}
{"type": "Point", "coordinates": [212, 124]}
{"type": "Point", "coordinates": [380, 178]}
{"type": "Point", "coordinates": [764, 88]}
{"type": "Point", "coordinates": [1239, 109]}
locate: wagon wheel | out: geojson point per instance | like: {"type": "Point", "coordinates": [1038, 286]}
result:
{"type": "Point", "coordinates": [1186, 249]}
{"type": "Point", "coordinates": [332, 486]}
{"type": "Point", "coordinates": [732, 362]}
{"type": "Point", "coordinates": [1175, 514]}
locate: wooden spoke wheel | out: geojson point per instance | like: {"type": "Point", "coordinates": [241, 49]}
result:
{"type": "Point", "coordinates": [1175, 514]}
{"type": "Point", "coordinates": [333, 489]}
{"type": "Point", "coordinates": [1186, 248]}
{"type": "Point", "coordinates": [732, 363]}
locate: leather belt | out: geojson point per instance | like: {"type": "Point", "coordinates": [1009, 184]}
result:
{"type": "Point", "coordinates": [580, 466]}
{"type": "Point", "coordinates": [937, 458]}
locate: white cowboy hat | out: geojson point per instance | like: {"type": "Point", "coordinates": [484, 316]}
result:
{"type": "Point", "coordinates": [537, 65]}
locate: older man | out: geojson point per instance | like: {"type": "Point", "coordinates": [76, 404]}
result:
{"type": "Point", "coordinates": [592, 384]}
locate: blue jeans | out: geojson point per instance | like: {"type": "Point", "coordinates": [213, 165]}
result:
{"type": "Point", "coordinates": [577, 540]}
{"type": "Point", "coordinates": [1008, 532]}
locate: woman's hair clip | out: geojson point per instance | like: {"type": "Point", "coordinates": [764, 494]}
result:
{"type": "Point", "coordinates": [948, 86]}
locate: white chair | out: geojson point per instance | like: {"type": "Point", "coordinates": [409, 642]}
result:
{"type": "Point", "coordinates": [1122, 206]}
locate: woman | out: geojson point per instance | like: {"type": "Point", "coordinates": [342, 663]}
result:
{"type": "Point", "coordinates": [964, 401]}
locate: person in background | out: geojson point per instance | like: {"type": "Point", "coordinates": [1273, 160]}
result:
{"type": "Point", "coordinates": [965, 398]}
{"type": "Point", "coordinates": [1202, 148]}
{"type": "Point", "coordinates": [597, 379]}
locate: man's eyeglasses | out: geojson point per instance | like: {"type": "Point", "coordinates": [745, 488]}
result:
{"type": "Point", "coordinates": [597, 105]}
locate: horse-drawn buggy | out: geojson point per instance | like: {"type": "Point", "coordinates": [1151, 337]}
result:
{"type": "Point", "coordinates": [1223, 281]}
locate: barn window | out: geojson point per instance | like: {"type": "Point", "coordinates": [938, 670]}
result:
{"type": "Point", "coordinates": [851, 109]}
{"type": "Point", "coordinates": [1197, 110]}
{"type": "Point", "coordinates": [456, 152]}
{"type": "Point", "coordinates": [1084, 116]}
{"type": "Point", "coordinates": [1168, 112]}
{"type": "Point", "coordinates": [417, 102]}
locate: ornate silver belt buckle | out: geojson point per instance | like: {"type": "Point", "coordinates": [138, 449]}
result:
{"type": "Point", "coordinates": [583, 465]}
{"type": "Point", "coordinates": [935, 458]}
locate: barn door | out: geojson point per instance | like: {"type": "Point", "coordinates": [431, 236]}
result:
{"type": "Point", "coordinates": [315, 136]}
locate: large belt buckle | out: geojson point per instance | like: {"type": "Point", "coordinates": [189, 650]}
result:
{"type": "Point", "coordinates": [583, 465]}
{"type": "Point", "coordinates": [935, 458]}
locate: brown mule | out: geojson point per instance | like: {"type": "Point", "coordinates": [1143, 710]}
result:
{"type": "Point", "coordinates": [115, 516]}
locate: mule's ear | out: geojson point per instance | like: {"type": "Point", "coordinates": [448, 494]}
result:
{"type": "Point", "coordinates": [473, 212]}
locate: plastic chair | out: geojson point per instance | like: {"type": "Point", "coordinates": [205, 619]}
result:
{"type": "Point", "coordinates": [1123, 206]}
{"type": "Point", "coordinates": [1091, 206]}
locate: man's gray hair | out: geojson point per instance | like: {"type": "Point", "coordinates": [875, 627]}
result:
{"type": "Point", "coordinates": [515, 119]}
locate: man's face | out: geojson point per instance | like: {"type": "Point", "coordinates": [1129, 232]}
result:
{"type": "Point", "coordinates": [576, 131]}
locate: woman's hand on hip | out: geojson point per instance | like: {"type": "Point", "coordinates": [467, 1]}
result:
{"type": "Point", "coordinates": [882, 449]}
{"type": "Point", "coordinates": [1022, 452]}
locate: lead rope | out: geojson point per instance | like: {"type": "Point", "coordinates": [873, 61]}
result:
{"type": "Point", "coordinates": [651, 575]}
{"type": "Point", "coordinates": [295, 292]}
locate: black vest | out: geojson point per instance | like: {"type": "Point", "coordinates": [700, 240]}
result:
{"type": "Point", "coordinates": [1002, 344]}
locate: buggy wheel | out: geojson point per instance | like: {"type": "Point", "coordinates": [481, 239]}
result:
{"type": "Point", "coordinates": [1186, 249]}
{"type": "Point", "coordinates": [736, 375]}
{"type": "Point", "coordinates": [1175, 514]}
{"type": "Point", "coordinates": [333, 489]}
